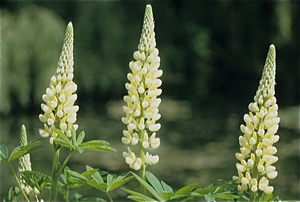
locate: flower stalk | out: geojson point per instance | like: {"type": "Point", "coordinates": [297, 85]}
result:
{"type": "Point", "coordinates": [142, 100]}
{"type": "Point", "coordinates": [59, 109]}
{"type": "Point", "coordinates": [256, 156]}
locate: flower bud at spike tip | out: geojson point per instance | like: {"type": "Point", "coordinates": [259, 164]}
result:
{"type": "Point", "coordinates": [256, 143]}
{"type": "Point", "coordinates": [141, 109]}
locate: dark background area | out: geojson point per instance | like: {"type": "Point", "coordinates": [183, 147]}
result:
{"type": "Point", "coordinates": [212, 54]}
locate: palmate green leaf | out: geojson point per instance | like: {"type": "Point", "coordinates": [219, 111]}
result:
{"type": "Point", "coordinates": [154, 193]}
{"type": "Point", "coordinates": [100, 186]}
{"type": "Point", "coordinates": [75, 180]}
{"type": "Point", "coordinates": [117, 182]}
{"type": "Point", "coordinates": [77, 175]}
{"type": "Point", "coordinates": [205, 190]}
{"type": "Point", "coordinates": [89, 173]}
{"type": "Point", "coordinates": [209, 197]}
{"type": "Point", "coordinates": [64, 137]}
{"type": "Point", "coordinates": [80, 138]}
{"type": "Point", "coordinates": [136, 196]}
{"type": "Point", "coordinates": [167, 196]}
{"type": "Point", "coordinates": [79, 149]}
{"type": "Point", "coordinates": [63, 143]}
{"type": "Point", "coordinates": [227, 195]}
{"type": "Point", "coordinates": [154, 182]}
{"type": "Point", "coordinates": [95, 176]}
{"type": "Point", "coordinates": [36, 179]}
{"type": "Point", "coordinates": [23, 150]}
{"type": "Point", "coordinates": [3, 153]}
{"type": "Point", "coordinates": [97, 145]}
{"type": "Point", "coordinates": [167, 188]}
{"type": "Point", "coordinates": [186, 189]}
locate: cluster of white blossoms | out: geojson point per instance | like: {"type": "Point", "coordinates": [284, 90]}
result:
{"type": "Point", "coordinates": [59, 109]}
{"type": "Point", "coordinates": [142, 102]}
{"type": "Point", "coordinates": [256, 155]}
{"type": "Point", "coordinates": [24, 162]}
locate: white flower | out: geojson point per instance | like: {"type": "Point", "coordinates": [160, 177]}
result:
{"type": "Point", "coordinates": [142, 102]}
{"type": "Point", "coordinates": [59, 109]}
{"type": "Point", "coordinates": [261, 125]}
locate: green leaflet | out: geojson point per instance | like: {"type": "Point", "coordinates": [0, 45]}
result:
{"type": "Point", "coordinates": [18, 151]}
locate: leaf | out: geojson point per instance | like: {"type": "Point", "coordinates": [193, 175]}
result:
{"type": "Point", "coordinates": [154, 182]}
{"type": "Point", "coordinates": [110, 179]}
{"type": "Point", "coordinates": [63, 143]}
{"type": "Point", "coordinates": [186, 190]}
{"type": "Point", "coordinates": [79, 149]}
{"type": "Point", "coordinates": [96, 176]}
{"type": "Point", "coordinates": [266, 197]}
{"type": "Point", "coordinates": [3, 153]}
{"type": "Point", "coordinates": [205, 190]}
{"type": "Point", "coordinates": [167, 187]}
{"type": "Point", "coordinates": [119, 181]}
{"type": "Point", "coordinates": [95, 142]}
{"type": "Point", "coordinates": [36, 179]}
{"type": "Point", "coordinates": [148, 187]}
{"type": "Point", "coordinates": [80, 138]}
{"type": "Point", "coordinates": [167, 196]}
{"type": "Point", "coordinates": [223, 185]}
{"type": "Point", "coordinates": [23, 150]}
{"type": "Point", "coordinates": [63, 136]}
{"type": "Point", "coordinates": [77, 175]}
{"type": "Point", "coordinates": [209, 197]}
{"type": "Point", "coordinates": [97, 145]}
{"type": "Point", "coordinates": [137, 196]}
{"type": "Point", "coordinates": [93, 199]}
{"type": "Point", "coordinates": [96, 185]}
{"type": "Point", "coordinates": [226, 196]}
{"type": "Point", "coordinates": [89, 173]}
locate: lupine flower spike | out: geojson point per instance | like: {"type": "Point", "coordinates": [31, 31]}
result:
{"type": "Point", "coordinates": [24, 162]}
{"type": "Point", "coordinates": [257, 153]}
{"type": "Point", "coordinates": [142, 102]}
{"type": "Point", "coordinates": [59, 109]}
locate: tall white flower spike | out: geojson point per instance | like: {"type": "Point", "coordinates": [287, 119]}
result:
{"type": "Point", "coordinates": [59, 109]}
{"type": "Point", "coordinates": [141, 110]}
{"type": "Point", "coordinates": [256, 154]}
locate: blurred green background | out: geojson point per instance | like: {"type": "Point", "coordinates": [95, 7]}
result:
{"type": "Point", "coordinates": [212, 54]}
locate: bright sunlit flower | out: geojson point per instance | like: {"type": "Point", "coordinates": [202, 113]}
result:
{"type": "Point", "coordinates": [59, 109]}
{"type": "Point", "coordinates": [257, 152]}
{"type": "Point", "coordinates": [141, 110]}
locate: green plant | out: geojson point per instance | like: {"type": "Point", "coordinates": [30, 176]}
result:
{"type": "Point", "coordinates": [256, 156]}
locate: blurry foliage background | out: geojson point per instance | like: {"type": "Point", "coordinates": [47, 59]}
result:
{"type": "Point", "coordinates": [212, 54]}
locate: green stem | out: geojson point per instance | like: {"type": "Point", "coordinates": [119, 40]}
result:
{"type": "Point", "coordinates": [66, 161]}
{"type": "Point", "coordinates": [253, 196]}
{"type": "Point", "coordinates": [68, 195]}
{"type": "Point", "coordinates": [143, 167]}
{"type": "Point", "coordinates": [55, 174]}
{"type": "Point", "coordinates": [110, 199]}
{"type": "Point", "coordinates": [18, 183]}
